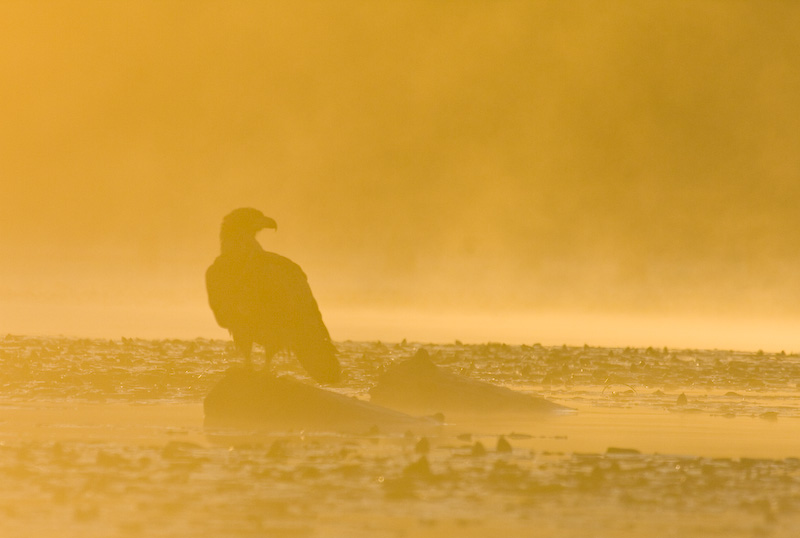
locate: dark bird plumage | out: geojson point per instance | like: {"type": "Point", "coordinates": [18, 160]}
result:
{"type": "Point", "coordinates": [264, 298]}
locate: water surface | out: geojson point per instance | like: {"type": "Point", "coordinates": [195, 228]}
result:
{"type": "Point", "coordinates": [106, 438]}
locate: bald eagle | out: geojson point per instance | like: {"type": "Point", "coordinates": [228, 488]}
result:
{"type": "Point", "coordinates": [264, 298]}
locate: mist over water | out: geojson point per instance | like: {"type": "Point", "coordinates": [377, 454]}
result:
{"type": "Point", "coordinates": [452, 177]}
{"type": "Point", "coordinates": [543, 172]}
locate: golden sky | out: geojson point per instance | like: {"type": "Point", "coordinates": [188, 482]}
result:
{"type": "Point", "coordinates": [600, 158]}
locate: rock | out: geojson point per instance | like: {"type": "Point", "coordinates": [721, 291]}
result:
{"type": "Point", "coordinates": [622, 451]}
{"type": "Point", "coordinates": [249, 398]}
{"type": "Point", "coordinates": [418, 386]}
{"type": "Point", "coordinates": [478, 450]}
{"type": "Point", "coordinates": [277, 449]}
{"type": "Point", "coordinates": [423, 446]}
{"type": "Point", "coordinates": [503, 446]}
{"type": "Point", "coordinates": [420, 470]}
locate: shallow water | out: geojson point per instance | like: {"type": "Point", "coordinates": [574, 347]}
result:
{"type": "Point", "coordinates": [105, 438]}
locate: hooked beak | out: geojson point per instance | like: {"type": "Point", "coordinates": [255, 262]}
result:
{"type": "Point", "coordinates": [269, 223]}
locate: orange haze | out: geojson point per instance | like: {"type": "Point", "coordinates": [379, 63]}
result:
{"type": "Point", "coordinates": [604, 172]}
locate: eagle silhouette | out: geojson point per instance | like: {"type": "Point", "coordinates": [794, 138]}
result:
{"type": "Point", "coordinates": [264, 298]}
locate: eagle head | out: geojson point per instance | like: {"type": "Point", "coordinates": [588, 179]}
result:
{"type": "Point", "coordinates": [241, 225]}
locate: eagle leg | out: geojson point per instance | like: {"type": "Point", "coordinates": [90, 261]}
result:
{"type": "Point", "coordinates": [245, 347]}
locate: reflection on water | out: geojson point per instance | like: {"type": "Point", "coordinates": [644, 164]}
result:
{"type": "Point", "coordinates": [105, 438]}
